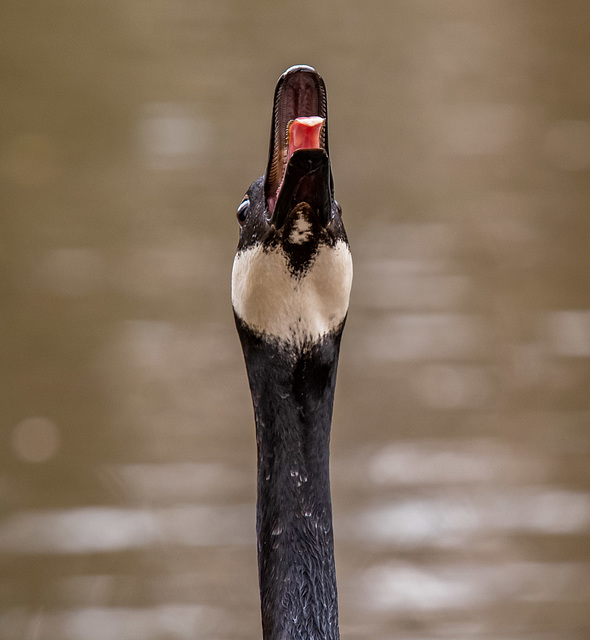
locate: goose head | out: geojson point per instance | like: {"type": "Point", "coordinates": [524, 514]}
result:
{"type": "Point", "coordinates": [292, 271]}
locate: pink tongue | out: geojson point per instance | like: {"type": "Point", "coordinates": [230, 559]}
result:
{"type": "Point", "coordinates": [304, 133]}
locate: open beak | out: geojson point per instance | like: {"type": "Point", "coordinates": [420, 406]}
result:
{"type": "Point", "coordinates": [299, 164]}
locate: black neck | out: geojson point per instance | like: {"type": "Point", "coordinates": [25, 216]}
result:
{"type": "Point", "coordinates": [293, 394]}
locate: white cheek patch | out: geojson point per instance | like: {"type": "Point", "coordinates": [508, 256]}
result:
{"type": "Point", "coordinates": [271, 301]}
{"type": "Point", "coordinates": [301, 231]}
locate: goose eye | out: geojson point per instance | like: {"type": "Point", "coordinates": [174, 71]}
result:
{"type": "Point", "coordinates": [243, 210]}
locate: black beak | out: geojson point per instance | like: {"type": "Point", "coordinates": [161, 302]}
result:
{"type": "Point", "coordinates": [307, 179]}
{"type": "Point", "coordinates": [303, 174]}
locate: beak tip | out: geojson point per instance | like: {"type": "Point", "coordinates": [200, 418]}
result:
{"type": "Point", "coordinates": [299, 68]}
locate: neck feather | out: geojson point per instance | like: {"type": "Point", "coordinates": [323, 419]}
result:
{"type": "Point", "coordinates": [293, 393]}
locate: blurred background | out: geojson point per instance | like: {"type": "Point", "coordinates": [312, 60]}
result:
{"type": "Point", "coordinates": [460, 140]}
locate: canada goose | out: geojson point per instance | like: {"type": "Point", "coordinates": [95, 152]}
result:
{"type": "Point", "coordinates": [291, 283]}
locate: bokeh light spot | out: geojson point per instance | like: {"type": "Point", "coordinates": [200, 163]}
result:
{"type": "Point", "coordinates": [35, 439]}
